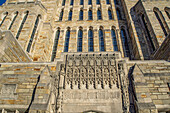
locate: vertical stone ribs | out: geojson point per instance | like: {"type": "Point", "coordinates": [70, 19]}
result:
{"type": "Point", "coordinates": [90, 71]}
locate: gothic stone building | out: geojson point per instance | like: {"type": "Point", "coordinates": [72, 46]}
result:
{"type": "Point", "coordinates": [85, 56]}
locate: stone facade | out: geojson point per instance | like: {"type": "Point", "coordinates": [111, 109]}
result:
{"type": "Point", "coordinates": [51, 62]}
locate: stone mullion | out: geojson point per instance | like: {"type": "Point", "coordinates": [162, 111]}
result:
{"type": "Point", "coordinates": [75, 15]}
{"type": "Point", "coordinates": [94, 13]}
{"type": "Point", "coordinates": [65, 14]}
{"type": "Point", "coordinates": [85, 14]}
{"type": "Point", "coordinates": [72, 41]}
{"type": "Point", "coordinates": [96, 40]}
{"type": "Point", "coordinates": [113, 9]}
{"type": "Point", "coordinates": [104, 12]}
{"type": "Point", "coordinates": [108, 44]}
{"type": "Point", "coordinates": [85, 41]}
{"type": "Point", "coordinates": [120, 45]}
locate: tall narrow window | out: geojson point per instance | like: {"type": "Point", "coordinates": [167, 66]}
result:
{"type": "Point", "coordinates": [33, 33]}
{"type": "Point", "coordinates": [167, 10]}
{"type": "Point", "coordinates": [67, 38]}
{"type": "Point", "coordinates": [6, 14]}
{"type": "Point", "coordinates": [63, 3]}
{"type": "Point", "coordinates": [71, 2]}
{"type": "Point", "coordinates": [167, 13]}
{"type": "Point", "coordinates": [79, 42]}
{"type": "Point", "coordinates": [90, 2]}
{"type": "Point", "coordinates": [97, 2]}
{"type": "Point", "coordinates": [81, 2]}
{"type": "Point", "coordinates": [101, 40]}
{"type": "Point", "coordinates": [90, 40]}
{"type": "Point", "coordinates": [150, 43]}
{"type": "Point", "coordinates": [16, 14]}
{"type": "Point", "coordinates": [160, 22]}
{"type": "Point", "coordinates": [118, 14]}
{"type": "Point", "coordinates": [113, 34]}
{"type": "Point", "coordinates": [110, 14]}
{"type": "Point", "coordinates": [90, 14]}
{"type": "Point", "coordinates": [61, 15]}
{"type": "Point", "coordinates": [99, 14]}
{"type": "Point", "coordinates": [55, 45]}
{"type": "Point", "coordinates": [107, 2]}
{"type": "Point", "coordinates": [22, 24]}
{"type": "Point", "coordinates": [81, 15]}
{"type": "Point", "coordinates": [70, 15]}
{"type": "Point", "coordinates": [116, 2]}
{"type": "Point", "coordinates": [125, 43]}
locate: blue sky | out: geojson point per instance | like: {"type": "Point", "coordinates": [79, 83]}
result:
{"type": "Point", "coordinates": [2, 1]}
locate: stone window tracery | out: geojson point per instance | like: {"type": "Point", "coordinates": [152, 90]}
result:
{"type": "Point", "coordinates": [101, 40]}
{"type": "Point", "coordinates": [90, 40]}
{"type": "Point", "coordinates": [67, 38]}
{"type": "Point", "coordinates": [114, 40]}
{"type": "Point", "coordinates": [80, 40]}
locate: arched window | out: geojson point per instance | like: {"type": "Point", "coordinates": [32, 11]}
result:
{"type": "Point", "coordinates": [116, 2]}
{"type": "Point", "coordinates": [118, 14]}
{"type": "Point", "coordinates": [22, 24]}
{"type": "Point", "coordinates": [125, 43]}
{"type": "Point", "coordinates": [33, 33]}
{"type": "Point", "coordinates": [81, 15]}
{"type": "Point", "coordinates": [167, 10]}
{"type": "Point", "coordinates": [71, 2]}
{"type": "Point", "coordinates": [79, 42]}
{"type": "Point", "coordinates": [97, 2]}
{"type": "Point", "coordinates": [6, 14]}
{"type": "Point", "coordinates": [90, 40]}
{"type": "Point", "coordinates": [67, 38]}
{"type": "Point", "coordinates": [107, 2]}
{"type": "Point", "coordinates": [55, 44]}
{"type": "Point", "coordinates": [81, 2]}
{"type": "Point", "coordinates": [61, 15]}
{"type": "Point", "coordinates": [63, 3]}
{"type": "Point", "coordinates": [167, 13]}
{"type": "Point", "coordinates": [70, 15]}
{"type": "Point", "coordinates": [90, 2]}
{"type": "Point", "coordinates": [101, 40]}
{"type": "Point", "coordinates": [16, 14]}
{"type": "Point", "coordinates": [99, 14]}
{"type": "Point", "coordinates": [113, 34]}
{"type": "Point", "coordinates": [110, 14]}
{"type": "Point", "coordinates": [90, 14]}
{"type": "Point", "coordinates": [148, 33]}
{"type": "Point", "coordinates": [158, 15]}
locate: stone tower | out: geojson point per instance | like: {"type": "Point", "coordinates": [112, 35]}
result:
{"type": "Point", "coordinates": [85, 56]}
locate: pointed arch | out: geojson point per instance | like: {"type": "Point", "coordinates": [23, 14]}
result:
{"type": "Point", "coordinates": [13, 20]}
{"type": "Point", "coordinates": [110, 14]}
{"type": "Point", "coordinates": [61, 15]}
{"type": "Point", "coordinates": [101, 39]}
{"type": "Point", "coordinates": [33, 33]}
{"type": "Point", "coordinates": [80, 39]}
{"type": "Point", "coordinates": [90, 40]}
{"type": "Point", "coordinates": [99, 14]}
{"type": "Point", "coordinates": [6, 14]}
{"type": "Point", "coordinates": [67, 38]}
{"type": "Point", "coordinates": [22, 24]}
{"type": "Point", "coordinates": [70, 15]}
{"type": "Point", "coordinates": [57, 35]}
{"type": "Point", "coordinates": [114, 39]}
{"type": "Point", "coordinates": [90, 14]}
{"type": "Point", "coordinates": [81, 14]}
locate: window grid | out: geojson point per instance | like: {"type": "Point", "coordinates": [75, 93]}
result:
{"type": "Point", "coordinates": [22, 24]}
{"type": "Point", "coordinates": [70, 15]}
{"type": "Point", "coordinates": [99, 14]}
{"type": "Point", "coordinates": [101, 41]}
{"type": "Point", "coordinates": [13, 21]}
{"type": "Point", "coordinates": [90, 15]}
{"type": "Point", "coordinates": [114, 40]}
{"type": "Point", "coordinates": [81, 15]}
{"type": "Point", "coordinates": [67, 38]}
{"type": "Point", "coordinates": [79, 42]}
{"type": "Point", "coordinates": [90, 41]}
{"type": "Point", "coordinates": [33, 33]}
{"type": "Point", "coordinates": [55, 45]}
{"type": "Point", "coordinates": [4, 19]}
